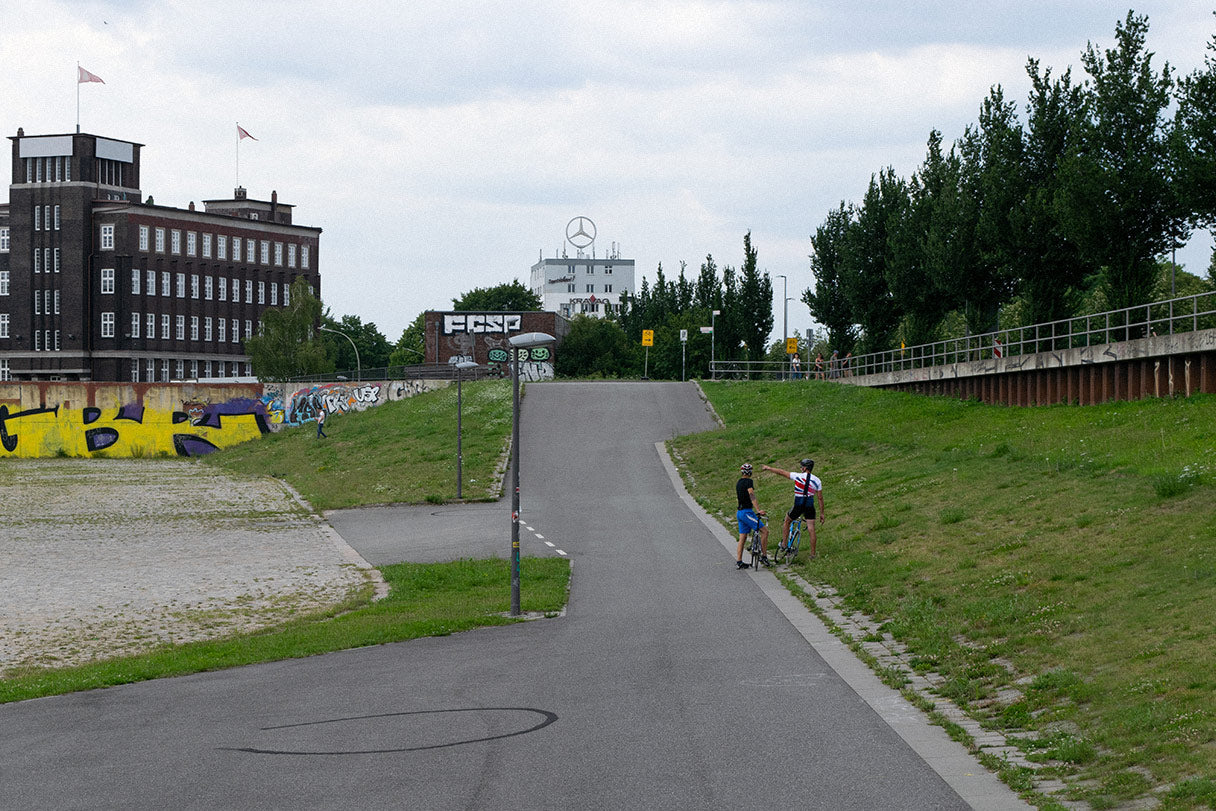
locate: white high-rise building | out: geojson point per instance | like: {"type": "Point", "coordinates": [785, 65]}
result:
{"type": "Point", "coordinates": [583, 283]}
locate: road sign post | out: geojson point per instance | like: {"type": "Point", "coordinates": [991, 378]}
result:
{"type": "Point", "coordinates": [647, 341]}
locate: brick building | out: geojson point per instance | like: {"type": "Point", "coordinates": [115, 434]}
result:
{"type": "Point", "coordinates": [98, 284]}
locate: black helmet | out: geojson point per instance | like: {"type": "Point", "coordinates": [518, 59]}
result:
{"type": "Point", "coordinates": [746, 468]}
{"type": "Point", "coordinates": [809, 464]}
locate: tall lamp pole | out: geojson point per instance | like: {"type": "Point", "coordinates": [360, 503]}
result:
{"type": "Point", "coordinates": [460, 367]}
{"type": "Point", "coordinates": [785, 319]}
{"type": "Point", "coordinates": [713, 335]}
{"type": "Point", "coordinates": [358, 367]}
{"type": "Point", "coordinates": [518, 342]}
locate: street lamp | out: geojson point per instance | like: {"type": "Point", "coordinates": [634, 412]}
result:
{"type": "Point", "coordinates": [460, 367]}
{"type": "Point", "coordinates": [358, 368]}
{"type": "Point", "coordinates": [713, 334]}
{"type": "Point", "coordinates": [785, 320]}
{"type": "Point", "coordinates": [523, 341]}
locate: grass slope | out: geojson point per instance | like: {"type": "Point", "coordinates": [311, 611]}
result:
{"type": "Point", "coordinates": [1065, 553]}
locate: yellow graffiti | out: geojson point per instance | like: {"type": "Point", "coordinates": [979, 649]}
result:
{"type": "Point", "coordinates": [131, 431]}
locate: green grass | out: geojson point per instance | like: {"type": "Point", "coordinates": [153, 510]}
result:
{"type": "Point", "coordinates": [1075, 544]}
{"type": "Point", "coordinates": [399, 452]}
{"type": "Point", "coordinates": [424, 600]}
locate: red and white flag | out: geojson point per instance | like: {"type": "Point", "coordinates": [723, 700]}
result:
{"type": "Point", "coordinates": [83, 76]}
{"type": "Point", "coordinates": [242, 133]}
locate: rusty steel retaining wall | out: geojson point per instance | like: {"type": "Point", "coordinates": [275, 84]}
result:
{"type": "Point", "coordinates": [1158, 366]}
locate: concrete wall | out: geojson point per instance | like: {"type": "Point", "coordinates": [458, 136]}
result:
{"type": "Point", "coordinates": [1158, 366]}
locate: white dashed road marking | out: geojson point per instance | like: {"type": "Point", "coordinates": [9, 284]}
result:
{"type": "Point", "coordinates": [542, 538]}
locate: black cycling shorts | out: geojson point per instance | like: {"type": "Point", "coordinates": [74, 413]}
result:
{"type": "Point", "coordinates": [803, 508]}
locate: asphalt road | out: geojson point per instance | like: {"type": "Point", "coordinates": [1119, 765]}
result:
{"type": "Point", "coordinates": [673, 680]}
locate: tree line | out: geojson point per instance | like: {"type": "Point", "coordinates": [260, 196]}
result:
{"type": "Point", "coordinates": [1028, 221]}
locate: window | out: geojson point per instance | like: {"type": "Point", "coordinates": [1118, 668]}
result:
{"type": "Point", "coordinates": [3, 240]}
{"type": "Point", "coordinates": [570, 287]}
{"type": "Point", "coordinates": [5, 374]}
{"type": "Point", "coordinates": [291, 255]}
{"type": "Point", "coordinates": [206, 249]}
{"type": "Point", "coordinates": [180, 333]}
{"type": "Point", "coordinates": [160, 240]}
{"type": "Point", "coordinates": [175, 241]}
{"type": "Point", "coordinates": [181, 285]}
{"type": "Point", "coordinates": [193, 285]}
{"type": "Point", "coordinates": [3, 325]}
{"type": "Point", "coordinates": [236, 291]}
{"type": "Point", "coordinates": [278, 250]}
{"type": "Point", "coordinates": [55, 253]}
{"type": "Point", "coordinates": [143, 237]}
{"type": "Point", "coordinates": [38, 218]}
{"type": "Point", "coordinates": [223, 289]}
{"type": "Point", "coordinates": [37, 302]}
{"type": "Point", "coordinates": [38, 334]}
{"type": "Point", "coordinates": [164, 325]}
{"type": "Point", "coordinates": [261, 292]}
{"type": "Point", "coordinates": [56, 302]}
{"type": "Point", "coordinates": [607, 288]}
{"type": "Point", "coordinates": [286, 294]}
{"type": "Point", "coordinates": [265, 257]}
{"type": "Point", "coordinates": [249, 291]}
{"type": "Point", "coordinates": [590, 288]}
{"type": "Point", "coordinates": [304, 256]}
{"type": "Point", "coordinates": [135, 281]}
{"type": "Point", "coordinates": [56, 340]}
{"type": "Point", "coordinates": [208, 368]}
{"type": "Point", "coordinates": [164, 371]}
{"type": "Point", "coordinates": [223, 330]}
{"type": "Point", "coordinates": [221, 247]}
{"type": "Point", "coordinates": [194, 333]}
{"type": "Point", "coordinates": [236, 249]}
{"type": "Point", "coordinates": [191, 243]}
{"type": "Point", "coordinates": [166, 280]}
{"type": "Point", "coordinates": [236, 331]}
{"type": "Point", "coordinates": [107, 325]}
{"type": "Point", "coordinates": [151, 282]}
{"type": "Point", "coordinates": [150, 321]}
{"type": "Point", "coordinates": [248, 329]}
{"type": "Point", "coordinates": [194, 370]}
{"type": "Point", "coordinates": [135, 370]}
{"type": "Point", "coordinates": [251, 250]}
{"type": "Point", "coordinates": [274, 295]}
{"type": "Point", "coordinates": [207, 334]}
{"type": "Point", "coordinates": [607, 270]}
{"type": "Point", "coordinates": [207, 288]}
{"type": "Point", "coordinates": [135, 326]}
{"type": "Point", "coordinates": [150, 371]}
{"type": "Point", "coordinates": [37, 261]}
{"type": "Point", "coordinates": [3, 282]}
{"type": "Point", "coordinates": [56, 217]}
{"type": "Point", "coordinates": [180, 369]}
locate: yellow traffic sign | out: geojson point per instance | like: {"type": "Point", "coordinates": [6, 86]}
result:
{"type": "Point", "coordinates": [647, 337]}
{"type": "Point", "coordinates": [791, 346]}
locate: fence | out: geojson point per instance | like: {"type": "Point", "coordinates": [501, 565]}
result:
{"type": "Point", "coordinates": [1185, 314]}
{"type": "Point", "coordinates": [422, 371]}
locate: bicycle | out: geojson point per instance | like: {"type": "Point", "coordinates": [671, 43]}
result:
{"type": "Point", "coordinates": [788, 549]}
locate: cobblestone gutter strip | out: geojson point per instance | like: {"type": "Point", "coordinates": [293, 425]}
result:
{"type": "Point", "coordinates": [888, 656]}
{"type": "Point", "coordinates": [108, 557]}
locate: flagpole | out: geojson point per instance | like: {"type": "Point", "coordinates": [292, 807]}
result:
{"type": "Point", "coordinates": [77, 98]}
{"type": "Point", "coordinates": [238, 154]}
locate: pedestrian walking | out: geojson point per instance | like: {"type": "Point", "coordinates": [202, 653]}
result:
{"type": "Point", "coordinates": [321, 424]}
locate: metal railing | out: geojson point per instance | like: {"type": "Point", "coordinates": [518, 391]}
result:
{"type": "Point", "coordinates": [421, 371]}
{"type": "Point", "coordinates": [1180, 315]}
{"type": "Point", "coordinates": [751, 370]}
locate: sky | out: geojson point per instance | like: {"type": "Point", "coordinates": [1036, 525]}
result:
{"type": "Point", "coordinates": [443, 146]}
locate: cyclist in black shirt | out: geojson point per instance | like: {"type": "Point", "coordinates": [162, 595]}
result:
{"type": "Point", "coordinates": [749, 516]}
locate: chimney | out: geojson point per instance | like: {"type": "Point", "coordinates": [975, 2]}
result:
{"type": "Point", "coordinates": [239, 193]}
{"type": "Point", "coordinates": [192, 205]}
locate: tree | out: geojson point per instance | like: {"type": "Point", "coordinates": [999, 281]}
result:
{"type": "Point", "coordinates": [287, 344]}
{"type": "Point", "coordinates": [1195, 141]}
{"type": "Point", "coordinates": [756, 301]}
{"type": "Point", "coordinates": [1118, 201]}
{"type": "Point", "coordinates": [1052, 266]}
{"type": "Point", "coordinates": [513, 297]}
{"type": "Point", "coordinates": [864, 262]}
{"type": "Point", "coordinates": [410, 348]}
{"type": "Point", "coordinates": [373, 347]}
{"type": "Point", "coordinates": [596, 347]}
{"type": "Point", "coordinates": [827, 302]}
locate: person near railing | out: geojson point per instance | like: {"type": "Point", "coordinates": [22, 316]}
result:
{"type": "Point", "coordinates": [834, 364]}
{"type": "Point", "coordinates": [819, 366]}
{"type": "Point", "coordinates": [848, 356]}
{"type": "Point", "coordinates": [795, 367]}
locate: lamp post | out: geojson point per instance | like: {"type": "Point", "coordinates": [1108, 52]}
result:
{"type": "Point", "coordinates": [713, 334]}
{"type": "Point", "coordinates": [358, 367]}
{"type": "Point", "coordinates": [785, 319]}
{"type": "Point", "coordinates": [460, 367]}
{"type": "Point", "coordinates": [518, 342]}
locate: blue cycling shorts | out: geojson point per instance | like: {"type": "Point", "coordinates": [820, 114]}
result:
{"type": "Point", "coordinates": [748, 521]}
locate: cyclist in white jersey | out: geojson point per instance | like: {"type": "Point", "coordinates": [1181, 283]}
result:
{"type": "Point", "coordinates": [806, 487]}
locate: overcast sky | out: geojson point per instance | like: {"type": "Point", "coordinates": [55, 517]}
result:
{"type": "Point", "coordinates": [443, 146]}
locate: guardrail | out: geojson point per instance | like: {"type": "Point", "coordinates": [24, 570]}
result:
{"type": "Point", "coordinates": [421, 371]}
{"type": "Point", "coordinates": [1185, 314]}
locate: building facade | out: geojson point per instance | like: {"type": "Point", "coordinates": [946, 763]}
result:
{"type": "Point", "coordinates": [485, 338]}
{"type": "Point", "coordinates": [97, 285]}
{"type": "Point", "coordinates": [582, 284]}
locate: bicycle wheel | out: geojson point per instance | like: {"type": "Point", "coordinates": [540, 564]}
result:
{"type": "Point", "coordinates": [791, 543]}
{"type": "Point", "coordinates": [756, 550]}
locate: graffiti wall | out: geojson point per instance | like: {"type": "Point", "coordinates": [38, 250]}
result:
{"type": "Point", "coordinates": [130, 430]}
{"type": "Point", "coordinates": [485, 338]}
{"type": "Point", "coordinates": [299, 406]}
